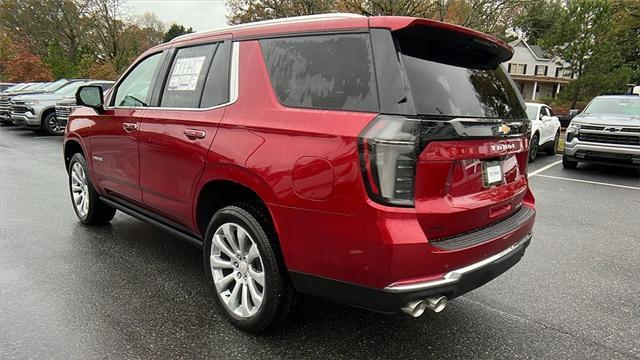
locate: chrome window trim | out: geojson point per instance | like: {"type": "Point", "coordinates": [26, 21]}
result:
{"type": "Point", "coordinates": [234, 84]}
{"type": "Point", "coordinates": [455, 275]}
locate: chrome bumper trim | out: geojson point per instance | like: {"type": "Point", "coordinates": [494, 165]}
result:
{"type": "Point", "coordinates": [455, 275]}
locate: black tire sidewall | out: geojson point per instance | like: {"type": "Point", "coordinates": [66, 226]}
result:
{"type": "Point", "coordinates": [273, 279]}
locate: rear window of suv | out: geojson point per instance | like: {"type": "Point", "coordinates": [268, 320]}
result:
{"type": "Point", "coordinates": [323, 71]}
{"type": "Point", "coordinates": [448, 79]}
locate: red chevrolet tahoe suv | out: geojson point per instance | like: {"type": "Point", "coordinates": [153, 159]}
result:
{"type": "Point", "coordinates": [375, 161]}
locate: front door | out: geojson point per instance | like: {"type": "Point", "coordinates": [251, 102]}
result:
{"type": "Point", "coordinates": [114, 136]}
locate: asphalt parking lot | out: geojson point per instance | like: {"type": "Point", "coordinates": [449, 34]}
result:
{"type": "Point", "coordinates": [129, 290]}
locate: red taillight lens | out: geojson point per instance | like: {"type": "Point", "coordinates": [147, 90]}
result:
{"type": "Point", "coordinates": [388, 152]}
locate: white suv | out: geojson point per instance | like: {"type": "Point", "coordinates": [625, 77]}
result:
{"type": "Point", "coordinates": [545, 130]}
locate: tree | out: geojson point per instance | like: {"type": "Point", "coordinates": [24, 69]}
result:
{"type": "Point", "coordinates": [51, 29]}
{"type": "Point", "coordinates": [25, 66]}
{"type": "Point", "coordinates": [243, 11]}
{"type": "Point", "coordinates": [176, 30]}
{"type": "Point", "coordinates": [588, 40]}
{"type": "Point", "coordinates": [491, 16]}
{"type": "Point", "coordinates": [537, 18]}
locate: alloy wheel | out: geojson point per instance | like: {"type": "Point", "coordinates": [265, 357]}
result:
{"type": "Point", "coordinates": [55, 126]}
{"type": "Point", "coordinates": [238, 270]}
{"type": "Point", "coordinates": [80, 189]}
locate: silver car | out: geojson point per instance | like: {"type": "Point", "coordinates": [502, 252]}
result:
{"type": "Point", "coordinates": [38, 111]}
{"type": "Point", "coordinates": [606, 132]}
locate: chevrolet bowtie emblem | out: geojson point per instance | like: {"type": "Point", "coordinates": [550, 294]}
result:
{"type": "Point", "coordinates": [504, 129]}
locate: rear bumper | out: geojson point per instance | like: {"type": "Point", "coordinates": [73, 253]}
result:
{"type": "Point", "coordinates": [393, 297]}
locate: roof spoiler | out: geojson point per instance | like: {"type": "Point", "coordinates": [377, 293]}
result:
{"type": "Point", "coordinates": [446, 43]}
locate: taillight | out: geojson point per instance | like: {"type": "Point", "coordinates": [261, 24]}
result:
{"type": "Point", "coordinates": [389, 148]}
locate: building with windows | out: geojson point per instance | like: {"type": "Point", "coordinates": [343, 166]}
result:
{"type": "Point", "coordinates": [536, 74]}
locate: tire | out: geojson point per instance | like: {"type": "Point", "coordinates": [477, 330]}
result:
{"type": "Point", "coordinates": [51, 126]}
{"type": "Point", "coordinates": [533, 147]}
{"type": "Point", "coordinates": [568, 164]}
{"type": "Point", "coordinates": [279, 298]}
{"type": "Point", "coordinates": [556, 141]}
{"type": "Point", "coordinates": [95, 212]}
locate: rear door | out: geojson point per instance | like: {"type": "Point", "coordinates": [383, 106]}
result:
{"type": "Point", "coordinates": [114, 136]}
{"type": "Point", "coordinates": [175, 134]}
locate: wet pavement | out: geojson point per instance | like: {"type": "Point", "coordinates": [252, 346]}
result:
{"type": "Point", "coordinates": [129, 290]}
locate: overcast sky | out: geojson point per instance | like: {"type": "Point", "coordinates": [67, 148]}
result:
{"type": "Point", "coordinates": [198, 14]}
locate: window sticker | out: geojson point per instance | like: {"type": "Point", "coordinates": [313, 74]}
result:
{"type": "Point", "coordinates": [186, 71]}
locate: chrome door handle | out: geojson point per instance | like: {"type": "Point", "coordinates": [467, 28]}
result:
{"type": "Point", "coordinates": [194, 134]}
{"type": "Point", "coordinates": [129, 126]}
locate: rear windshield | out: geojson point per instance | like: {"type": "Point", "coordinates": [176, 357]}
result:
{"type": "Point", "coordinates": [452, 74]}
{"type": "Point", "coordinates": [441, 89]}
{"type": "Point", "coordinates": [628, 106]}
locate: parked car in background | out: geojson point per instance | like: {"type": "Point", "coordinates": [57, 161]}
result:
{"type": "Point", "coordinates": [335, 155]}
{"type": "Point", "coordinates": [37, 111]}
{"type": "Point", "coordinates": [65, 106]}
{"type": "Point", "coordinates": [545, 130]}
{"type": "Point", "coordinates": [606, 132]}
{"type": "Point", "coordinates": [34, 88]}
{"type": "Point", "coordinates": [14, 88]}
{"type": "Point", "coordinates": [4, 86]}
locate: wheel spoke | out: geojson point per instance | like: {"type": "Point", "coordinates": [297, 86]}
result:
{"type": "Point", "coordinates": [76, 188]}
{"type": "Point", "coordinates": [242, 240]}
{"type": "Point", "coordinates": [253, 253]}
{"type": "Point", "coordinates": [255, 295]}
{"type": "Point", "coordinates": [233, 297]}
{"type": "Point", "coordinates": [224, 282]}
{"type": "Point", "coordinates": [75, 177]}
{"type": "Point", "coordinates": [245, 300]}
{"type": "Point", "coordinates": [221, 245]}
{"type": "Point", "coordinates": [217, 263]}
{"type": "Point", "coordinates": [231, 239]}
{"type": "Point", "coordinates": [257, 276]}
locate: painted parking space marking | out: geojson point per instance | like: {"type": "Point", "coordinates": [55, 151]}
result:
{"type": "Point", "coordinates": [589, 182]}
{"type": "Point", "coordinates": [545, 168]}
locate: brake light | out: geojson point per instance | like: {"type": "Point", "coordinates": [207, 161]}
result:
{"type": "Point", "coordinates": [389, 148]}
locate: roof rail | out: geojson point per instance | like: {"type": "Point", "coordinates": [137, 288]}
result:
{"type": "Point", "coordinates": [287, 20]}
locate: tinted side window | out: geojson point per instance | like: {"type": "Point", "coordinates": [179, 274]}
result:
{"type": "Point", "coordinates": [323, 71]}
{"type": "Point", "coordinates": [134, 90]}
{"type": "Point", "coordinates": [183, 86]}
{"type": "Point", "coordinates": [216, 88]}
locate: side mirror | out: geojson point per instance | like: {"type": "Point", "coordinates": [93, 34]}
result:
{"type": "Point", "coordinates": [91, 96]}
{"type": "Point", "coordinates": [573, 112]}
{"type": "Point", "coordinates": [545, 118]}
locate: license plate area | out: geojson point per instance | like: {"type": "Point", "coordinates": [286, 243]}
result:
{"type": "Point", "coordinates": [492, 173]}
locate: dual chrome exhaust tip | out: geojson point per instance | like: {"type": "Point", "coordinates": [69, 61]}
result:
{"type": "Point", "coordinates": [416, 308]}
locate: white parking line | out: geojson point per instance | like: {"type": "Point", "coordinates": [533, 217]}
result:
{"type": "Point", "coordinates": [545, 168]}
{"type": "Point", "coordinates": [590, 182]}
{"type": "Point", "coordinates": [45, 137]}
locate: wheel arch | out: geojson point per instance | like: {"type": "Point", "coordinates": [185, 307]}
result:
{"type": "Point", "coordinates": [72, 147]}
{"type": "Point", "coordinates": [45, 112]}
{"type": "Point", "coordinates": [225, 186]}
